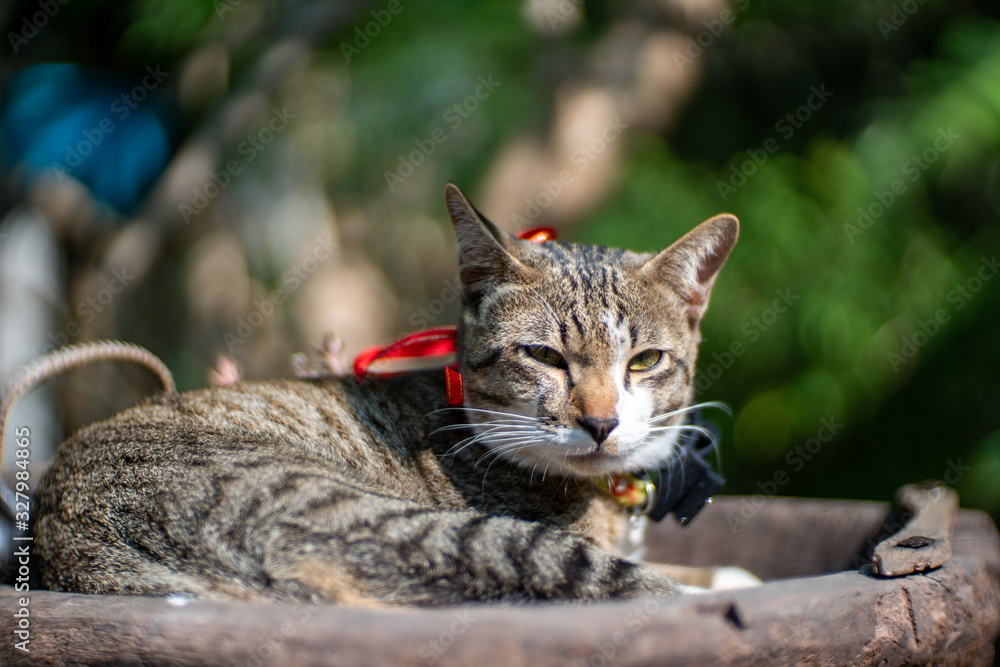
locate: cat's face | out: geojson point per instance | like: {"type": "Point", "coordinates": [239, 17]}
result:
{"type": "Point", "coordinates": [577, 358]}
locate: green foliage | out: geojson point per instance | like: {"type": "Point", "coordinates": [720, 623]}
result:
{"type": "Point", "coordinates": [164, 28]}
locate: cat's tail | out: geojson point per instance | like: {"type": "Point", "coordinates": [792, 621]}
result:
{"type": "Point", "coordinates": [70, 358]}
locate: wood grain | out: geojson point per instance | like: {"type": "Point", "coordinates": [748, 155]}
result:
{"type": "Point", "coordinates": [949, 616]}
{"type": "Point", "coordinates": [924, 543]}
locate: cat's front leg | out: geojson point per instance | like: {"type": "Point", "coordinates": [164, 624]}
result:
{"type": "Point", "coordinates": [371, 549]}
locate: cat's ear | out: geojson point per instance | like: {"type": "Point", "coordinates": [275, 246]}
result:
{"type": "Point", "coordinates": [484, 251]}
{"type": "Point", "coordinates": [690, 265]}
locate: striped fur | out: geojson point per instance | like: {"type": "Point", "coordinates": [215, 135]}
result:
{"type": "Point", "coordinates": [328, 489]}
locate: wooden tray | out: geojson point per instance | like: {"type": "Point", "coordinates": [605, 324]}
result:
{"type": "Point", "coordinates": [817, 609]}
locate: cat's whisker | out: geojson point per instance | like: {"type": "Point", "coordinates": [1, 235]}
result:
{"type": "Point", "coordinates": [501, 450]}
{"type": "Point", "coordinates": [683, 427]}
{"type": "Point", "coordinates": [534, 467]}
{"type": "Point", "coordinates": [499, 443]}
{"type": "Point", "coordinates": [492, 422]}
{"type": "Point", "coordinates": [681, 454]}
{"type": "Point", "coordinates": [484, 433]}
{"type": "Point", "coordinates": [520, 419]}
{"type": "Point", "coordinates": [508, 447]}
{"type": "Point", "coordinates": [669, 462]}
{"type": "Point", "coordinates": [708, 433]}
{"type": "Point", "coordinates": [489, 437]}
{"type": "Point", "coordinates": [512, 415]}
{"type": "Point", "coordinates": [697, 406]}
{"type": "Point", "coordinates": [491, 429]}
{"type": "Point", "coordinates": [531, 476]}
{"type": "Point", "coordinates": [525, 433]}
{"type": "Point", "coordinates": [471, 440]}
{"type": "Point", "coordinates": [495, 423]}
{"type": "Point", "coordinates": [503, 446]}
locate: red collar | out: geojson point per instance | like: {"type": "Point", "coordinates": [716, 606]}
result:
{"type": "Point", "coordinates": [423, 349]}
{"type": "Point", "coordinates": [429, 348]}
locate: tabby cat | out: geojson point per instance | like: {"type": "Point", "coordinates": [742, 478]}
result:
{"type": "Point", "coordinates": [577, 361]}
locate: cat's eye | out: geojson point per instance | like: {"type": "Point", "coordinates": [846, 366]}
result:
{"type": "Point", "coordinates": [645, 360]}
{"type": "Point", "coordinates": [546, 355]}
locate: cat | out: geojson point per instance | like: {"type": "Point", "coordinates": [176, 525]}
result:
{"type": "Point", "coordinates": [577, 363]}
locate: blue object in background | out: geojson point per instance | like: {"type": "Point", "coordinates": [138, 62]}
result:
{"type": "Point", "coordinates": [110, 132]}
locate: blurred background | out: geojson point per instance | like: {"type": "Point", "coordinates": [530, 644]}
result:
{"type": "Point", "coordinates": [243, 177]}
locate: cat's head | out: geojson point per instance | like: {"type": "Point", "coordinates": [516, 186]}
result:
{"type": "Point", "coordinates": [576, 357]}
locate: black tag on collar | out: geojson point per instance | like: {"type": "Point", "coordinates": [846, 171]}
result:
{"type": "Point", "coordinates": [687, 482]}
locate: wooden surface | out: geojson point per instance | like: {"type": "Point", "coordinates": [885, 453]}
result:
{"type": "Point", "coordinates": [801, 537]}
{"type": "Point", "coordinates": [924, 543]}
{"type": "Point", "coordinates": [950, 615]}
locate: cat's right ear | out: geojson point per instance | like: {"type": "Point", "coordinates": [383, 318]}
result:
{"type": "Point", "coordinates": [691, 264]}
{"type": "Point", "coordinates": [484, 251]}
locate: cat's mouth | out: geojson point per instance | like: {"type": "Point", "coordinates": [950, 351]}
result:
{"type": "Point", "coordinates": [596, 455]}
{"type": "Point", "coordinates": [598, 462]}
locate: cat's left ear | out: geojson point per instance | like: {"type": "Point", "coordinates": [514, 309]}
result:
{"type": "Point", "coordinates": [691, 264]}
{"type": "Point", "coordinates": [485, 259]}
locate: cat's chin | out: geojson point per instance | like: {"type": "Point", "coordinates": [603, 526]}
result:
{"type": "Point", "coordinates": [565, 455]}
{"type": "Point", "coordinates": [585, 466]}
{"type": "Point", "coordinates": [597, 463]}
{"type": "Point", "coordinates": [621, 457]}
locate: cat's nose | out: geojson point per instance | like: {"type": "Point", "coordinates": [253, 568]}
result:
{"type": "Point", "coordinates": [599, 429]}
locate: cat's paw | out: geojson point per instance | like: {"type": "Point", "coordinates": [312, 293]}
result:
{"type": "Point", "coordinates": [731, 578]}
{"type": "Point", "coordinates": [693, 590]}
